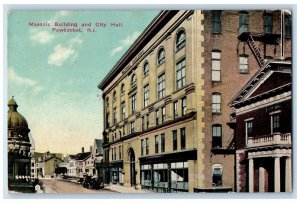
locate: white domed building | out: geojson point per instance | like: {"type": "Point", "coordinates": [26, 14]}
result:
{"type": "Point", "coordinates": [19, 153]}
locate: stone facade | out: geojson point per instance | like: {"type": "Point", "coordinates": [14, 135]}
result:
{"type": "Point", "coordinates": [164, 88]}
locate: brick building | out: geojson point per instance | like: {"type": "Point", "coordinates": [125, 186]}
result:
{"type": "Point", "coordinates": [166, 114]}
{"type": "Point", "coordinates": [263, 131]}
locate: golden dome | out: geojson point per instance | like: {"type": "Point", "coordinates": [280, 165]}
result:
{"type": "Point", "coordinates": [14, 118]}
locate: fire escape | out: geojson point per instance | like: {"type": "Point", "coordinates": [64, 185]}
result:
{"type": "Point", "coordinates": [267, 38]}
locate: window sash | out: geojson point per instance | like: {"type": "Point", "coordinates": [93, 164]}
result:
{"type": "Point", "coordinates": [142, 147]}
{"type": "Point", "coordinates": [174, 140]}
{"type": "Point", "coordinates": [180, 74]}
{"type": "Point", "coordinates": [163, 117]}
{"type": "Point", "coordinates": [180, 42]}
{"type": "Point", "coordinates": [161, 86]}
{"type": "Point", "coordinates": [184, 106]}
{"type": "Point", "coordinates": [161, 57]}
{"type": "Point", "coordinates": [133, 81]}
{"type": "Point", "coordinates": [156, 143]}
{"type": "Point", "coordinates": [268, 23]}
{"type": "Point", "coordinates": [176, 109]}
{"type": "Point", "coordinates": [182, 138]}
{"type": "Point", "coordinates": [123, 110]}
{"type": "Point", "coordinates": [162, 142]}
{"type": "Point", "coordinates": [133, 103]}
{"type": "Point", "coordinates": [243, 22]}
{"type": "Point", "coordinates": [216, 22]}
{"type": "Point", "coordinates": [146, 95]}
{"type": "Point", "coordinates": [147, 146]}
{"type": "Point", "coordinates": [146, 69]}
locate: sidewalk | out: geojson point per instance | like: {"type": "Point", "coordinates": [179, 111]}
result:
{"type": "Point", "coordinates": [123, 189]}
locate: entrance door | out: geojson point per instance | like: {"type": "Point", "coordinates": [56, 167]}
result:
{"type": "Point", "coordinates": [132, 167]}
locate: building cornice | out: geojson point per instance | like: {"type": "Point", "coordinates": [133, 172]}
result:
{"type": "Point", "coordinates": [139, 43]}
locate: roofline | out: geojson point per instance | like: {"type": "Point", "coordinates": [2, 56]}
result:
{"type": "Point", "coordinates": [136, 46]}
{"type": "Point", "coordinates": [268, 65]}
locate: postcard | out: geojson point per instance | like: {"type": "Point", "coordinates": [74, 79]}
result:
{"type": "Point", "coordinates": [149, 101]}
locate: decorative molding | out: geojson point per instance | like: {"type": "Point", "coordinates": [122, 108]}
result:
{"type": "Point", "coordinates": [264, 103]}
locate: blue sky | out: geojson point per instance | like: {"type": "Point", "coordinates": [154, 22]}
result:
{"type": "Point", "coordinates": [54, 76]}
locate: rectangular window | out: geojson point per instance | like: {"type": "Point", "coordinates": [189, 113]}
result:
{"type": "Point", "coordinates": [216, 66]}
{"type": "Point", "coordinates": [216, 22]}
{"type": "Point", "coordinates": [183, 107]}
{"type": "Point", "coordinates": [176, 109]}
{"type": "Point", "coordinates": [115, 155]}
{"type": "Point", "coordinates": [147, 146]}
{"type": "Point", "coordinates": [147, 121]}
{"type": "Point", "coordinates": [123, 129]}
{"type": "Point", "coordinates": [157, 117]}
{"type": "Point", "coordinates": [249, 128]}
{"type": "Point", "coordinates": [133, 103]}
{"type": "Point", "coordinates": [217, 175]}
{"type": "Point", "coordinates": [123, 110]}
{"type": "Point", "coordinates": [216, 136]}
{"type": "Point", "coordinates": [112, 153]}
{"type": "Point", "coordinates": [143, 123]}
{"type": "Point", "coordinates": [275, 123]}
{"type": "Point", "coordinates": [107, 120]}
{"type": "Point", "coordinates": [163, 114]}
{"type": "Point", "coordinates": [132, 127]}
{"type": "Point", "coordinates": [182, 138]}
{"type": "Point", "coordinates": [115, 116]}
{"type": "Point", "coordinates": [243, 22]}
{"type": "Point", "coordinates": [180, 74]}
{"type": "Point", "coordinates": [120, 153]}
{"type": "Point", "coordinates": [216, 103]}
{"type": "Point", "coordinates": [162, 142]}
{"type": "Point", "coordinates": [287, 26]}
{"type": "Point", "coordinates": [156, 143]}
{"type": "Point", "coordinates": [161, 86]}
{"type": "Point", "coordinates": [268, 23]}
{"type": "Point", "coordinates": [244, 64]}
{"type": "Point", "coordinates": [142, 147]}
{"type": "Point", "coordinates": [146, 95]}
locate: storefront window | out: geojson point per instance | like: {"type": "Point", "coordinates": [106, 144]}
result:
{"type": "Point", "coordinates": [160, 175]}
{"type": "Point", "coordinates": [146, 178]}
{"type": "Point", "coordinates": [179, 176]}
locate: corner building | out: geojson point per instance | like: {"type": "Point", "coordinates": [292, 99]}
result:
{"type": "Point", "coordinates": [167, 122]}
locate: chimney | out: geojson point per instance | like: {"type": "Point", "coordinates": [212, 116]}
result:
{"type": "Point", "coordinates": [91, 148]}
{"type": "Point", "coordinates": [82, 149]}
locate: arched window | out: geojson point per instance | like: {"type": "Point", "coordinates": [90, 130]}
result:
{"type": "Point", "coordinates": [114, 96]}
{"type": "Point", "coordinates": [133, 80]}
{"type": "Point", "coordinates": [146, 69]}
{"type": "Point", "coordinates": [122, 89]}
{"type": "Point", "coordinates": [180, 40]}
{"type": "Point", "coordinates": [217, 136]}
{"type": "Point", "coordinates": [161, 56]}
{"type": "Point", "coordinates": [107, 102]}
{"type": "Point", "coordinates": [217, 172]}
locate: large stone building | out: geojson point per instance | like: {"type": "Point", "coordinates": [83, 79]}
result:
{"type": "Point", "coordinates": [167, 122]}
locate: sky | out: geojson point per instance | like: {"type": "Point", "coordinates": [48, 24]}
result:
{"type": "Point", "coordinates": [53, 76]}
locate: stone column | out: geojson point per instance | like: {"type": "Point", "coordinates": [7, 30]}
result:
{"type": "Point", "coordinates": [277, 174]}
{"type": "Point", "coordinates": [288, 174]}
{"type": "Point", "coordinates": [251, 175]}
{"type": "Point", "coordinates": [261, 179]}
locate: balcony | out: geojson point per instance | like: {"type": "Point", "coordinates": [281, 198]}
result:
{"type": "Point", "coordinates": [269, 140]}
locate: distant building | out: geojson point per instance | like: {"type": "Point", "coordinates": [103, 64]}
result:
{"type": "Point", "coordinates": [263, 130]}
{"type": "Point", "coordinates": [47, 164]}
{"type": "Point", "coordinates": [19, 154]}
{"type": "Point", "coordinates": [165, 111]}
{"type": "Point", "coordinates": [80, 163]}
